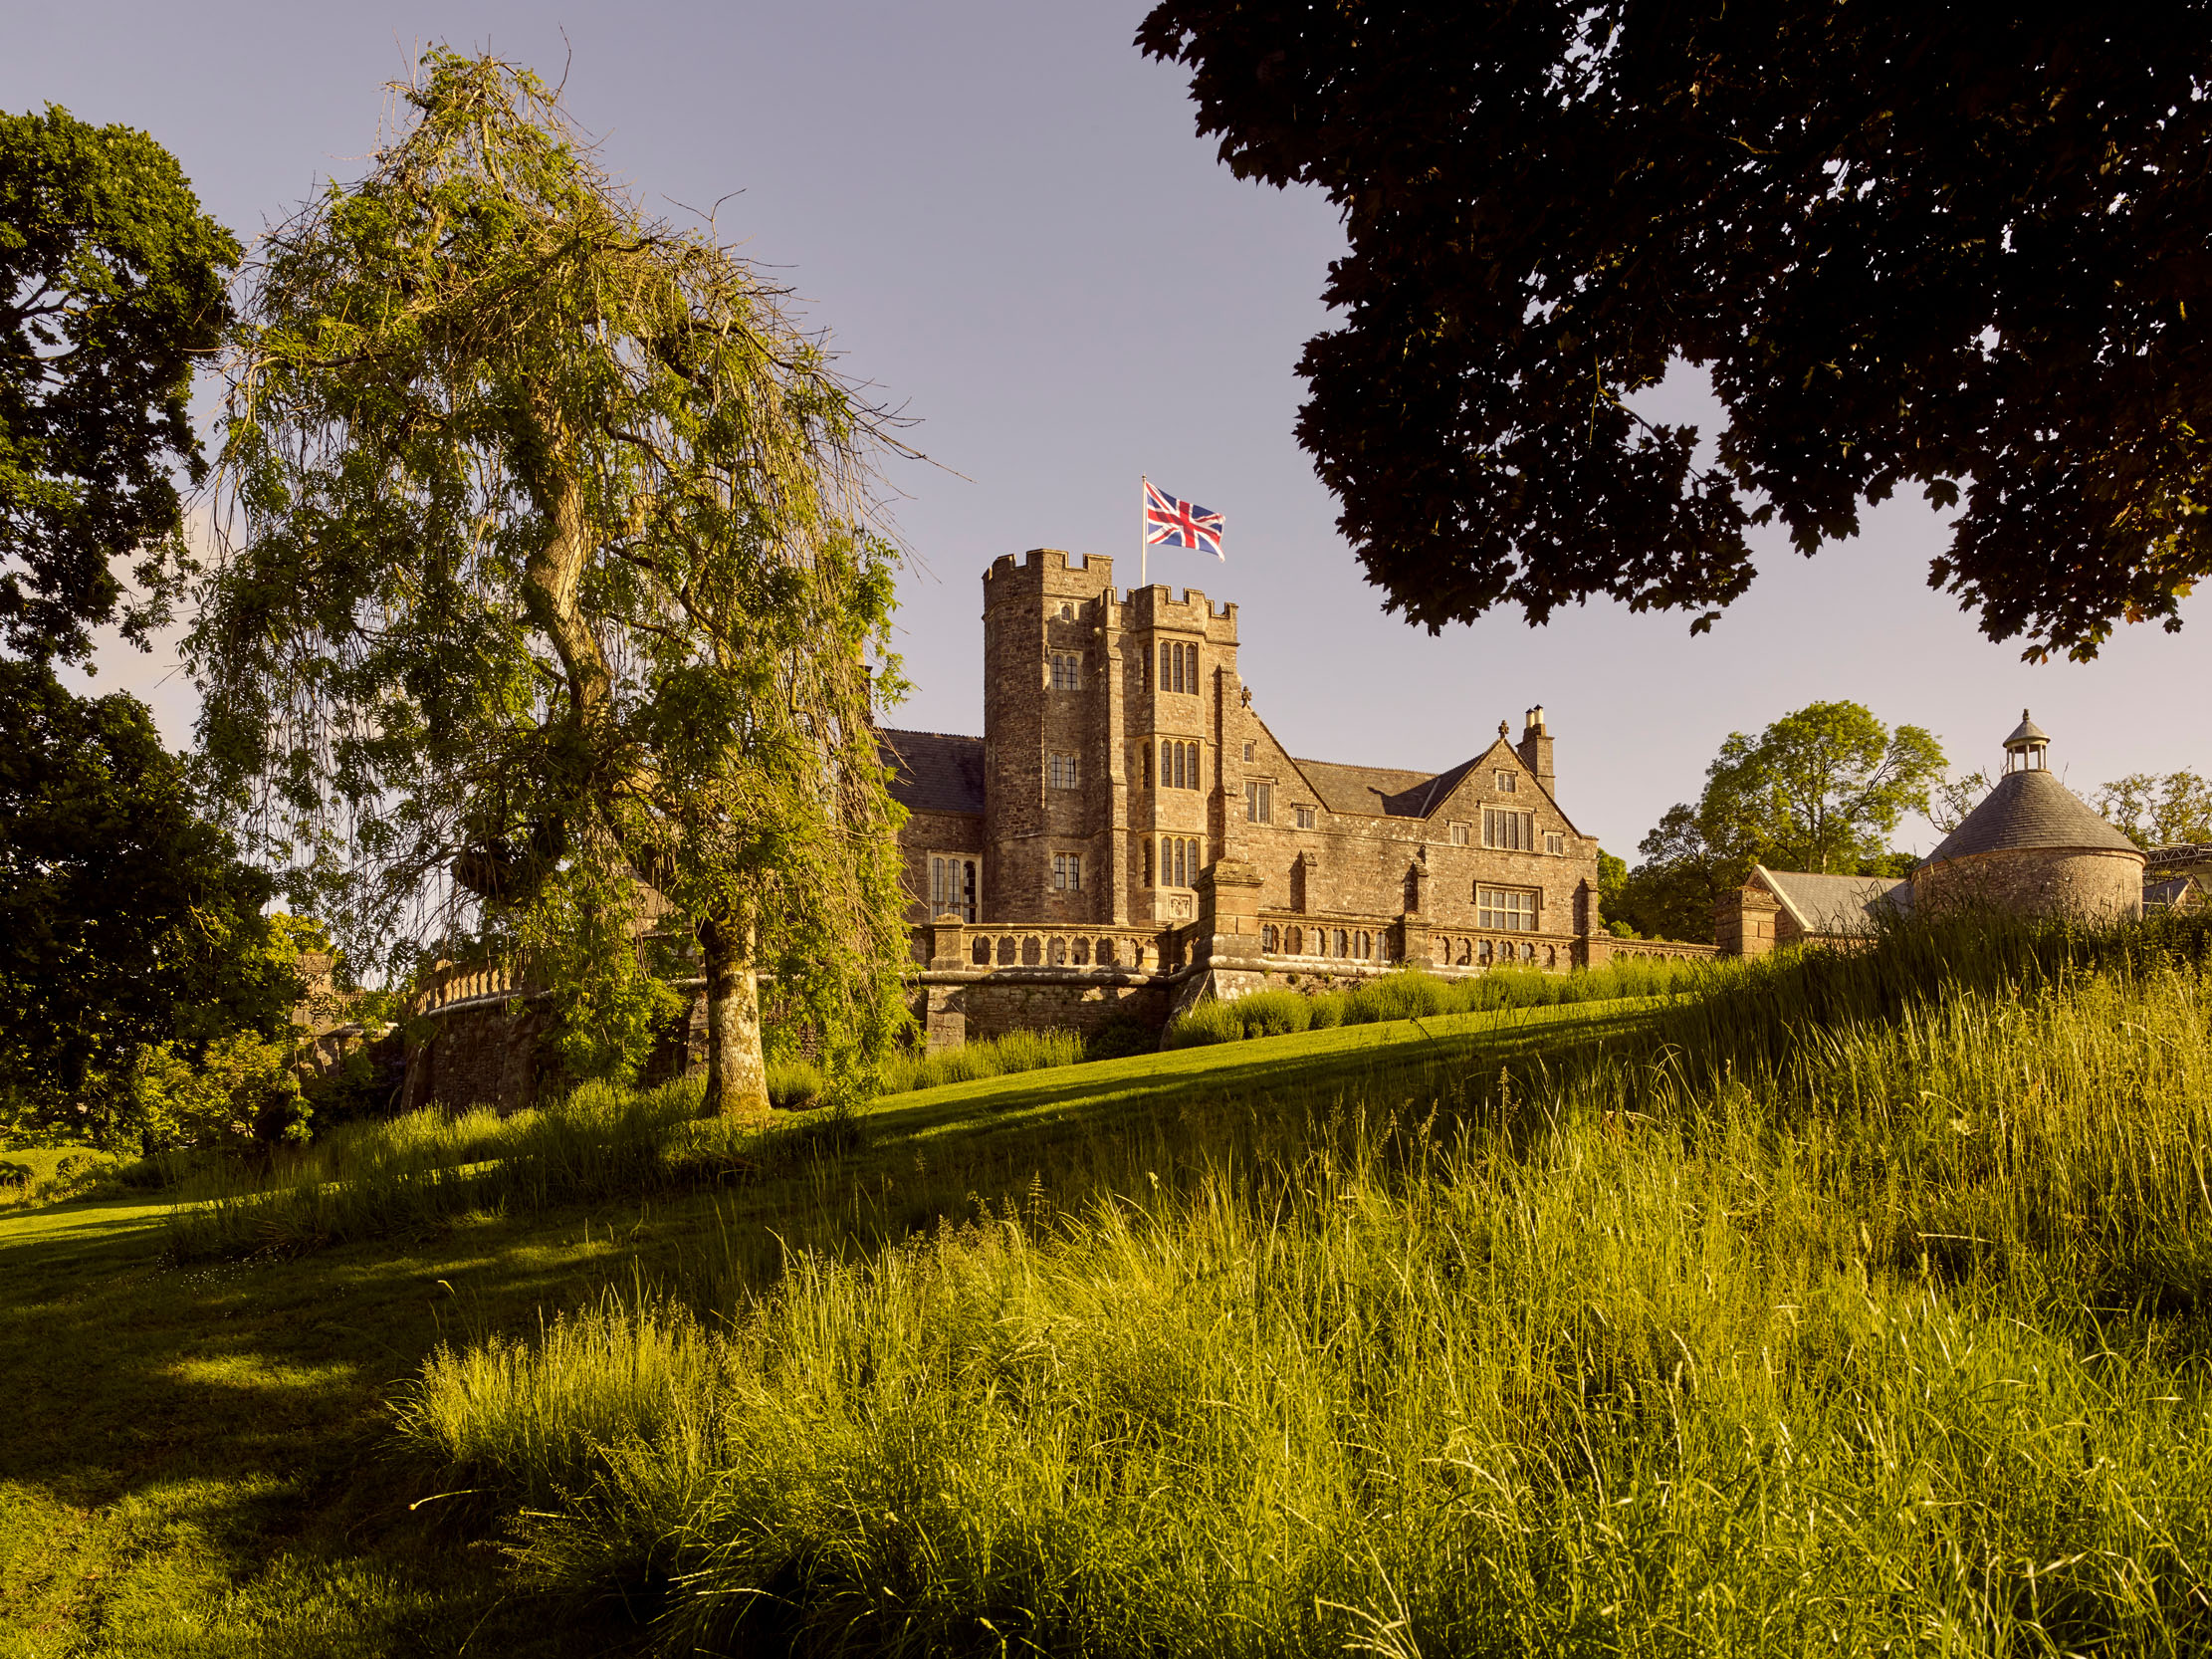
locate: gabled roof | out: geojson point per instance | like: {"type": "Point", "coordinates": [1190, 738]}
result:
{"type": "Point", "coordinates": [1385, 791]}
{"type": "Point", "coordinates": [1833, 904]}
{"type": "Point", "coordinates": [1376, 791]}
{"type": "Point", "coordinates": [934, 772]}
{"type": "Point", "coordinates": [2030, 809]}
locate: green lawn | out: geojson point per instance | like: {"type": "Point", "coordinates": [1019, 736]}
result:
{"type": "Point", "coordinates": [198, 1459]}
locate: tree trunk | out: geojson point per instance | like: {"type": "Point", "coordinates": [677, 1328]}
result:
{"type": "Point", "coordinates": [737, 1068]}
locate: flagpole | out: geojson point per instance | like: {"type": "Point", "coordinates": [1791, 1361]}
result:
{"type": "Point", "coordinates": [1144, 537]}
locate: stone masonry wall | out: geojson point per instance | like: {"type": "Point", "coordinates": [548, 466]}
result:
{"type": "Point", "coordinates": [486, 1052]}
{"type": "Point", "coordinates": [2094, 885]}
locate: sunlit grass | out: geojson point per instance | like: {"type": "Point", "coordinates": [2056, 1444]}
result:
{"type": "Point", "coordinates": [1860, 1309]}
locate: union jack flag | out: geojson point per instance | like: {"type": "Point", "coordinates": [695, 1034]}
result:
{"type": "Point", "coordinates": [1179, 524]}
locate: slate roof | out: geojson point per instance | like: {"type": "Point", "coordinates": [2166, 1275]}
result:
{"type": "Point", "coordinates": [935, 772]}
{"type": "Point", "coordinates": [1833, 904]}
{"type": "Point", "coordinates": [2173, 894]}
{"type": "Point", "coordinates": [2029, 809]}
{"type": "Point", "coordinates": [1379, 790]}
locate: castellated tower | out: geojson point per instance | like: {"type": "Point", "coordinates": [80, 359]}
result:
{"type": "Point", "coordinates": [1104, 753]}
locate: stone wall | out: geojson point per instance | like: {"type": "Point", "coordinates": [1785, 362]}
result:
{"type": "Point", "coordinates": [2092, 885]}
{"type": "Point", "coordinates": [482, 1051]}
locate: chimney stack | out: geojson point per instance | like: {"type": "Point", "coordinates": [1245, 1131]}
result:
{"type": "Point", "coordinates": [1535, 749]}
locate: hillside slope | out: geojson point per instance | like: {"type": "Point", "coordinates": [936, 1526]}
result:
{"type": "Point", "coordinates": [200, 1457]}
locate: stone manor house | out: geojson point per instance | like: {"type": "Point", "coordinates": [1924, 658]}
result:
{"type": "Point", "coordinates": [1128, 834]}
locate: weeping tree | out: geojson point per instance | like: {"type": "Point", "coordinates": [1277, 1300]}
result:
{"type": "Point", "coordinates": [547, 602]}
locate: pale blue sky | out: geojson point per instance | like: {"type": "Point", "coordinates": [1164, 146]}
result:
{"type": "Point", "coordinates": [1003, 216]}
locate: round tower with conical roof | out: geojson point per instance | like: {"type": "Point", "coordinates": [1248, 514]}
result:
{"type": "Point", "coordinates": [2033, 847]}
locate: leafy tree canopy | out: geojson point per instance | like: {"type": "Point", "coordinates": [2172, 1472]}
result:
{"type": "Point", "coordinates": [2169, 809]}
{"type": "Point", "coordinates": [1948, 248]}
{"type": "Point", "coordinates": [125, 919]}
{"type": "Point", "coordinates": [1822, 789]}
{"type": "Point", "coordinates": [112, 279]}
{"type": "Point", "coordinates": [547, 589]}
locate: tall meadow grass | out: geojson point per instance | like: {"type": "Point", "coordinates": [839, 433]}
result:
{"type": "Point", "coordinates": [424, 1169]}
{"type": "Point", "coordinates": [1859, 1308]}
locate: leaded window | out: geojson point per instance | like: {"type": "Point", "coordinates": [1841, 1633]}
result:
{"type": "Point", "coordinates": [1510, 909]}
{"type": "Point", "coordinates": [1509, 832]}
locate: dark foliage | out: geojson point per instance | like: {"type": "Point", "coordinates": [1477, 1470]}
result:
{"type": "Point", "coordinates": [125, 917]}
{"type": "Point", "coordinates": [111, 280]}
{"type": "Point", "coordinates": [1951, 248]}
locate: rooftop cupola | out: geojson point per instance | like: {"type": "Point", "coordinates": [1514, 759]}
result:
{"type": "Point", "coordinates": [2029, 747]}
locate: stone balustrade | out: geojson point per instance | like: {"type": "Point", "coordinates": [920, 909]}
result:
{"type": "Point", "coordinates": [983, 947]}
{"type": "Point", "coordinates": [460, 982]}
{"type": "Point", "coordinates": [1662, 950]}
{"type": "Point", "coordinates": [1331, 942]}
{"type": "Point", "coordinates": [1295, 934]}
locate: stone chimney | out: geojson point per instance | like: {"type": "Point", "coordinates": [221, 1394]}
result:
{"type": "Point", "coordinates": [1535, 749]}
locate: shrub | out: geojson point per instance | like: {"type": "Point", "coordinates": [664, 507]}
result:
{"type": "Point", "coordinates": [1121, 1037]}
{"type": "Point", "coordinates": [1209, 1022]}
{"type": "Point", "coordinates": [1396, 996]}
{"type": "Point", "coordinates": [794, 1083]}
{"type": "Point", "coordinates": [1329, 1009]}
{"type": "Point", "coordinates": [1272, 1013]}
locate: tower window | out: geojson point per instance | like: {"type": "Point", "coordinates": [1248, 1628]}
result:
{"type": "Point", "coordinates": [1061, 769]}
{"type": "Point", "coordinates": [1068, 613]}
{"type": "Point", "coordinates": [1147, 860]}
{"type": "Point", "coordinates": [1179, 861]}
{"type": "Point", "coordinates": [1148, 765]}
{"type": "Point", "coordinates": [1179, 668]}
{"type": "Point", "coordinates": [1067, 872]}
{"type": "Point", "coordinates": [1179, 765]}
{"type": "Point", "coordinates": [1067, 671]}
